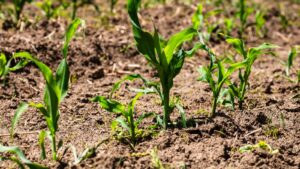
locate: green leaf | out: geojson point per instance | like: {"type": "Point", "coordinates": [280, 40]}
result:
{"type": "Point", "coordinates": [110, 105]}
{"type": "Point", "coordinates": [51, 102]}
{"type": "Point", "coordinates": [259, 20]}
{"type": "Point", "coordinates": [144, 40]}
{"type": "Point", "coordinates": [42, 137]}
{"type": "Point", "coordinates": [176, 64]}
{"type": "Point", "coordinates": [19, 65]}
{"type": "Point", "coordinates": [197, 18]}
{"type": "Point", "coordinates": [203, 71]}
{"type": "Point", "coordinates": [176, 40]}
{"type": "Point", "coordinates": [142, 117]}
{"type": "Point", "coordinates": [253, 53]}
{"type": "Point", "coordinates": [191, 52]}
{"type": "Point", "coordinates": [46, 71]}
{"type": "Point", "coordinates": [15, 150]}
{"type": "Point", "coordinates": [84, 155]}
{"type": "Point", "coordinates": [132, 103]}
{"type": "Point", "coordinates": [238, 45]}
{"type": "Point", "coordinates": [246, 149]}
{"type": "Point", "coordinates": [131, 77]}
{"type": "Point", "coordinates": [182, 114]}
{"type": "Point", "coordinates": [70, 33]}
{"type": "Point", "coordinates": [20, 110]}
{"type": "Point", "coordinates": [265, 46]}
{"type": "Point", "coordinates": [62, 78]}
{"type": "Point", "coordinates": [226, 97]}
{"type": "Point", "coordinates": [234, 67]}
{"type": "Point", "coordinates": [158, 47]}
{"type": "Point", "coordinates": [3, 62]}
{"type": "Point", "coordinates": [292, 55]}
{"type": "Point", "coordinates": [221, 71]}
{"type": "Point", "coordinates": [40, 107]}
{"type": "Point", "coordinates": [123, 123]}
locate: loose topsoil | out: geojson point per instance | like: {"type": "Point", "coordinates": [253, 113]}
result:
{"type": "Point", "coordinates": [104, 52]}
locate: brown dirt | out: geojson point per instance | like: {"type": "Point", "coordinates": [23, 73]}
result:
{"type": "Point", "coordinates": [106, 52]}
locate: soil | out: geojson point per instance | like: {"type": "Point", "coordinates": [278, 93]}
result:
{"type": "Point", "coordinates": [104, 52]}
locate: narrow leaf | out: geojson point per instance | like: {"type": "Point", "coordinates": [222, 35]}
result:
{"type": "Point", "coordinates": [176, 40]}
{"type": "Point", "coordinates": [42, 137]}
{"type": "Point", "coordinates": [182, 115]}
{"type": "Point", "coordinates": [110, 105]}
{"type": "Point", "coordinates": [20, 110]}
{"type": "Point", "coordinates": [70, 33]}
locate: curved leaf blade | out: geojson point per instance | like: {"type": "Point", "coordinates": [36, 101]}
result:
{"type": "Point", "coordinates": [20, 110]}
{"type": "Point", "coordinates": [176, 40]}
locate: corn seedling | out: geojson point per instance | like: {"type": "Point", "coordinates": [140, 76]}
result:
{"type": "Point", "coordinates": [50, 9]}
{"type": "Point", "coordinates": [80, 3]}
{"type": "Point", "coordinates": [126, 120]}
{"type": "Point", "coordinates": [78, 158]}
{"type": "Point", "coordinates": [243, 14]}
{"type": "Point", "coordinates": [200, 22]}
{"type": "Point", "coordinates": [18, 157]}
{"type": "Point", "coordinates": [5, 66]}
{"type": "Point", "coordinates": [291, 57]}
{"type": "Point", "coordinates": [284, 20]}
{"type": "Point", "coordinates": [294, 52]}
{"type": "Point", "coordinates": [165, 56]}
{"type": "Point", "coordinates": [207, 74]}
{"type": "Point", "coordinates": [229, 24]}
{"type": "Point", "coordinates": [156, 162]}
{"type": "Point", "coordinates": [249, 57]}
{"type": "Point", "coordinates": [18, 8]}
{"type": "Point", "coordinates": [55, 91]}
{"type": "Point", "coordinates": [113, 4]}
{"type": "Point", "coordinates": [260, 23]}
{"type": "Point", "coordinates": [260, 145]}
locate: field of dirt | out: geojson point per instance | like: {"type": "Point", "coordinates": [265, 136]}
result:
{"type": "Point", "coordinates": [105, 51]}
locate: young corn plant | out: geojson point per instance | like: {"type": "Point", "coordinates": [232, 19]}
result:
{"type": "Point", "coordinates": [216, 75]}
{"type": "Point", "coordinates": [291, 57]}
{"type": "Point", "coordinates": [290, 62]}
{"type": "Point", "coordinates": [260, 23]}
{"type": "Point", "coordinates": [229, 25]}
{"type": "Point", "coordinates": [126, 120]}
{"type": "Point", "coordinates": [18, 8]}
{"type": "Point", "coordinates": [18, 157]}
{"type": "Point", "coordinates": [50, 9]}
{"type": "Point", "coordinates": [113, 4]}
{"type": "Point", "coordinates": [200, 22]}
{"type": "Point", "coordinates": [243, 14]}
{"type": "Point", "coordinates": [5, 67]}
{"type": "Point", "coordinates": [55, 91]}
{"type": "Point", "coordinates": [80, 3]}
{"type": "Point", "coordinates": [249, 55]}
{"type": "Point", "coordinates": [167, 57]}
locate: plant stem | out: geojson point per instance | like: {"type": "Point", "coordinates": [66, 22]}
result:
{"type": "Point", "coordinates": [243, 89]}
{"type": "Point", "coordinates": [166, 95]}
{"type": "Point", "coordinates": [74, 9]}
{"type": "Point", "coordinates": [54, 151]}
{"type": "Point", "coordinates": [241, 99]}
{"type": "Point", "coordinates": [214, 107]}
{"type": "Point", "coordinates": [132, 127]}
